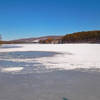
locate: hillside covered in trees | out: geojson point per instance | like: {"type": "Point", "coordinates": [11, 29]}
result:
{"type": "Point", "coordinates": [82, 37]}
{"type": "Point", "coordinates": [78, 37]}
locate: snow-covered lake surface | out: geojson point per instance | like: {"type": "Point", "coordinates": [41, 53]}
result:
{"type": "Point", "coordinates": [50, 72]}
{"type": "Point", "coordinates": [69, 56]}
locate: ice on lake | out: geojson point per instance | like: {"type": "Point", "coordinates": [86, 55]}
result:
{"type": "Point", "coordinates": [50, 72]}
{"type": "Point", "coordinates": [51, 56]}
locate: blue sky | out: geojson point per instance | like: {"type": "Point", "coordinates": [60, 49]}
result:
{"type": "Point", "coordinates": [32, 18]}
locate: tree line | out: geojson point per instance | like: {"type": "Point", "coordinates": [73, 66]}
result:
{"type": "Point", "coordinates": [78, 37]}
{"type": "Point", "coordinates": [85, 37]}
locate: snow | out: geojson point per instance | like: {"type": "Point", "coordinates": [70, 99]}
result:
{"type": "Point", "coordinates": [71, 56]}
{"type": "Point", "coordinates": [12, 69]}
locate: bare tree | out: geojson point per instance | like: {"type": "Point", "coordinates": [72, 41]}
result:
{"type": "Point", "coordinates": [0, 39]}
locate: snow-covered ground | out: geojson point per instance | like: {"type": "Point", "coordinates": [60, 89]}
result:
{"type": "Point", "coordinates": [70, 56]}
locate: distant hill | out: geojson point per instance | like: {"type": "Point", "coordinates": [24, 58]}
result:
{"type": "Point", "coordinates": [82, 37]}
{"type": "Point", "coordinates": [33, 40]}
{"type": "Point", "coordinates": [78, 37]}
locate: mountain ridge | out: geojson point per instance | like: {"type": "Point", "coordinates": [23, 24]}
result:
{"type": "Point", "coordinates": [77, 37]}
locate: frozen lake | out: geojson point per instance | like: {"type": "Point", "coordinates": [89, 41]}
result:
{"type": "Point", "coordinates": [50, 72]}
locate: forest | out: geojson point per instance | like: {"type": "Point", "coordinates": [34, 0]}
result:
{"type": "Point", "coordinates": [82, 37]}
{"type": "Point", "coordinates": [78, 37]}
